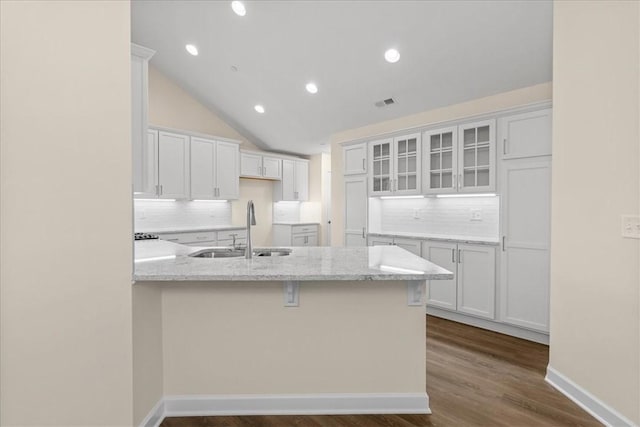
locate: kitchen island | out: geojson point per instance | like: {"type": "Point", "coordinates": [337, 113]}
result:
{"type": "Point", "coordinates": [320, 331]}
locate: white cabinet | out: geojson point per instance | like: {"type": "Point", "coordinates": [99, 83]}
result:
{"type": "Point", "coordinates": [526, 134]}
{"type": "Point", "coordinates": [214, 169]}
{"type": "Point", "coordinates": [207, 238]}
{"type": "Point", "coordinates": [294, 185]}
{"type": "Point", "coordinates": [144, 179]}
{"type": "Point", "coordinates": [173, 165]}
{"type": "Point", "coordinates": [355, 210]}
{"type": "Point", "coordinates": [295, 235]}
{"type": "Point", "coordinates": [472, 291]}
{"type": "Point", "coordinates": [460, 159]}
{"type": "Point", "coordinates": [394, 166]}
{"type": "Point", "coordinates": [355, 159]}
{"type": "Point", "coordinates": [526, 201]}
{"type": "Point", "coordinates": [255, 165]}
{"type": "Point", "coordinates": [411, 245]}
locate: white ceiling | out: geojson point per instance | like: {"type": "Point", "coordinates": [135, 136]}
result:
{"type": "Point", "coordinates": [451, 51]}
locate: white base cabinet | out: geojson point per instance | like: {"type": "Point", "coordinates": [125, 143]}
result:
{"type": "Point", "coordinates": [412, 245]}
{"type": "Point", "coordinates": [295, 235]}
{"type": "Point", "coordinates": [472, 291]}
{"type": "Point", "coordinates": [207, 238]}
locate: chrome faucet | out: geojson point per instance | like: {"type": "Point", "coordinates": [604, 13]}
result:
{"type": "Point", "coordinates": [251, 220]}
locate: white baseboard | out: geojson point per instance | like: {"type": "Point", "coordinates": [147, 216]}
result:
{"type": "Point", "coordinates": [288, 404]}
{"type": "Point", "coordinates": [490, 325]}
{"type": "Point", "coordinates": [581, 397]}
{"type": "Point", "coordinates": [155, 416]}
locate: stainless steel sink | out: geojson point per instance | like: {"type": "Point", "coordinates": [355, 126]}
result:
{"type": "Point", "coordinates": [238, 252]}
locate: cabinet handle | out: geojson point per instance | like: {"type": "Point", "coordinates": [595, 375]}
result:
{"type": "Point", "coordinates": [454, 180]}
{"type": "Point", "coordinates": [161, 190]}
{"type": "Point", "coordinates": [259, 172]}
{"type": "Point", "coordinates": [453, 256]}
{"type": "Point", "coordinates": [459, 181]}
{"type": "Point", "coordinates": [363, 232]}
{"type": "Point", "coordinates": [504, 246]}
{"type": "Point", "coordinates": [157, 190]}
{"type": "Point", "coordinates": [363, 165]}
{"type": "Point", "coordinates": [504, 147]}
{"type": "Point", "coordinates": [460, 256]}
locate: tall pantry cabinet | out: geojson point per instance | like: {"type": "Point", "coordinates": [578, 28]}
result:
{"type": "Point", "coordinates": [525, 187]}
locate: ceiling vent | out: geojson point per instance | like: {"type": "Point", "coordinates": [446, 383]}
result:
{"type": "Point", "coordinates": [385, 102]}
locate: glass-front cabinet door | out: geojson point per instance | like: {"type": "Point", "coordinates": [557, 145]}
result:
{"type": "Point", "coordinates": [381, 167]}
{"type": "Point", "coordinates": [406, 179]}
{"type": "Point", "coordinates": [476, 150]}
{"type": "Point", "coordinates": [440, 161]}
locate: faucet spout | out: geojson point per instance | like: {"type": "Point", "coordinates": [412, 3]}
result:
{"type": "Point", "coordinates": [251, 220]}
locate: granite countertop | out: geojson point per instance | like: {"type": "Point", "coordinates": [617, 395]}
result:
{"type": "Point", "coordinates": [443, 237]}
{"type": "Point", "coordinates": [295, 223]}
{"type": "Point", "coordinates": [158, 260]}
{"type": "Point", "coordinates": [190, 229]}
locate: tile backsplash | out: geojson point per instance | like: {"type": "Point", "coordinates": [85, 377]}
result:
{"type": "Point", "coordinates": [157, 215]}
{"type": "Point", "coordinates": [286, 211]}
{"type": "Point", "coordinates": [460, 216]}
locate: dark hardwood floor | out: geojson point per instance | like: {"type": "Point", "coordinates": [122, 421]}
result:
{"type": "Point", "coordinates": [474, 378]}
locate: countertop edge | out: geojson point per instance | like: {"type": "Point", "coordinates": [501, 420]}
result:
{"type": "Point", "coordinates": [441, 239]}
{"type": "Point", "coordinates": [283, 278]}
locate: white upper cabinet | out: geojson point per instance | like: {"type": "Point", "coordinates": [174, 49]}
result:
{"type": "Point", "coordinates": [381, 167]}
{"type": "Point", "coordinates": [440, 161]}
{"type": "Point", "coordinates": [294, 185]}
{"type": "Point", "coordinates": [460, 159]}
{"type": "Point", "coordinates": [394, 166]}
{"type": "Point", "coordinates": [214, 169]}
{"type": "Point", "coordinates": [142, 185]}
{"type": "Point", "coordinates": [526, 134]}
{"type": "Point", "coordinates": [173, 165]}
{"type": "Point", "coordinates": [227, 170]}
{"type": "Point", "coordinates": [355, 159]}
{"type": "Point", "coordinates": [271, 167]}
{"type": "Point", "coordinates": [256, 165]}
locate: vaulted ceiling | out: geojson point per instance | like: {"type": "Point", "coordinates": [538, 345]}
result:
{"type": "Point", "coordinates": [450, 52]}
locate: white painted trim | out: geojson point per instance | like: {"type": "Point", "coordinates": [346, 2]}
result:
{"type": "Point", "coordinates": [491, 325]}
{"type": "Point", "coordinates": [155, 416]}
{"type": "Point", "coordinates": [581, 397]}
{"type": "Point", "coordinates": [296, 404]}
{"type": "Point", "coordinates": [142, 52]}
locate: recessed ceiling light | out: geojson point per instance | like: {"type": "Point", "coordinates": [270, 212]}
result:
{"type": "Point", "coordinates": [392, 55]}
{"type": "Point", "coordinates": [311, 87]}
{"type": "Point", "coordinates": [192, 49]}
{"type": "Point", "coordinates": [238, 8]}
{"type": "Point", "coordinates": [259, 109]}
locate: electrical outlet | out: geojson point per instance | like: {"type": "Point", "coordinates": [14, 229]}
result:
{"type": "Point", "coordinates": [416, 213]}
{"type": "Point", "coordinates": [631, 226]}
{"type": "Point", "coordinates": [476, 215]}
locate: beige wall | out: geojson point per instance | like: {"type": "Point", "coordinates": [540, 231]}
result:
{"type": "Point", "coordinates": [66, 225]}
{"type": "Point", "coordinates": [498, 102]}
{"type": "Point", "coordinates": [595, 325]}
{"type": "Point", "coordinates": [334, 342]}
{"type": "Point", "coordinates": [171, 106]}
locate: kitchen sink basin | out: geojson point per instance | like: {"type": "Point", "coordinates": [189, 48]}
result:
{"type": "Point", "coordinates": [239, 252]}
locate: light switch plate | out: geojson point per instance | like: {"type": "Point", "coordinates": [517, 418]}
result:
{"type": "Point", "coordinates": [631, 226]}
{"type": "Point", "coordinates": [476, 214]}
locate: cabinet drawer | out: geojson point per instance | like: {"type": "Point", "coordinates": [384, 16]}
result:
{"type": "Point", "coordinates": [297, 229]}
{"type": "Point", "coordinates": [184, 238]}
{"type": "Point", "coordinates": [239, 241]}
{"type": "Point", "coordinates": [228, 234]}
